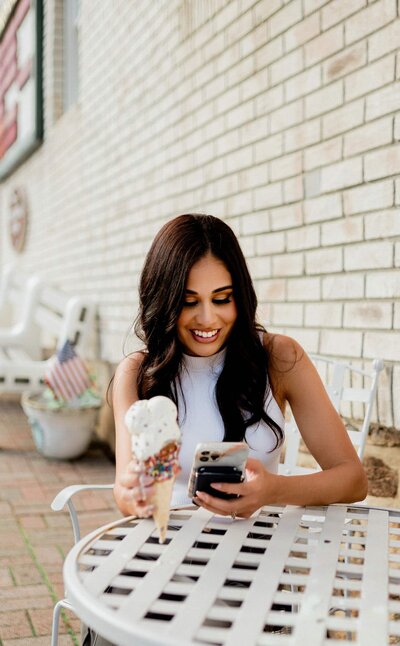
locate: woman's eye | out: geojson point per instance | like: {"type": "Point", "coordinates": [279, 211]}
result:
{"type": "Point", "coordinates": [216, 301]}
{"type": "Point", "coordinates": [223, 301]}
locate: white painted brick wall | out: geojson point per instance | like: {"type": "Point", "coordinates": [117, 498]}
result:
{"type": "Point", "coordinates": [349, 342]}
{"type": "Point", "coordinates": [324, 261]}
{"type": "Point", "coordinates": [368, 197]}
{"type": "Point", "coordinates": [343, 119]}
{"type": "Point", "coordinates": [369, 20]}
{"type": "Point", "coordinates": [322, 315]}
{"type": "Point", "coordinates": [303, 238]}
{"type": "Point", "coordinates": [286, 314]}
{"type": "Point", "coordinates": [367, 315]}
{"type": "Point", "coordinates": [383, 285]}
{"type": "Point", "coordinates": [344, 287]}
{"type": "Point", "coordinates": [384, 41]}
{"type": "Point", "coordinates": [383, 163]}
{"type": "Point", "coordinates": [337, 11]}
{"type": "Point", "coordinates": [369, 255]}
{"type": "Point", "coordinates": [304, 289]}
{"type": "Point", "coordinates": [375, 134]}
{"type": "Point", "coordinates": [323, 208]}
{"type": "Point", "coordinates": [280, 116]}
{"type": "Point", "coordinates": [342, 231]}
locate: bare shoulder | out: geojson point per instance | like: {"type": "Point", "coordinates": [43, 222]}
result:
{"type": "Point", "coordinates": [284, 352]}
{"type": "Point", "coordinates": [286, 362]}
{"type": "Point", "coordinates": [130, 364]}
{"type": "Point", "coordinates": [126, 374]}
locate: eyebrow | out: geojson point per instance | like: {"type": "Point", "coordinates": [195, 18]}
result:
{"type": "Point", "coordinates": [214, 291]}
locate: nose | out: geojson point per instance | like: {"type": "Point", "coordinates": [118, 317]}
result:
{"type": "Point", "coordinates": [206, 315]}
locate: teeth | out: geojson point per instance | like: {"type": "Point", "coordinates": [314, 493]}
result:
{"type": "Point", "coordinates": [205, 335]}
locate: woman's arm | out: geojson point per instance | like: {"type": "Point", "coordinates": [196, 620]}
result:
{"type": "Point", "coordinates": [342, 478]}
{"type": "Point", "coordinates": [131, 489]}
{"type": "Point", "coordinates": [295, 379]}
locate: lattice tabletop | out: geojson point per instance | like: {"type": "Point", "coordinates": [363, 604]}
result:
{"type": "Point", "coordinates": [290, 575]}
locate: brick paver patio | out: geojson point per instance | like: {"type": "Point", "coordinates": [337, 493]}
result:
{"type": "Point", "coordinates": [33, 539]}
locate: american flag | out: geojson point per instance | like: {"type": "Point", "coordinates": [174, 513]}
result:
{"type": "Point", "coordinates": [67, 374]}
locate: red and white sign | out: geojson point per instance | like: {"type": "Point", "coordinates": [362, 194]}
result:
{"type": "Point", "coordinates": [18, 86]}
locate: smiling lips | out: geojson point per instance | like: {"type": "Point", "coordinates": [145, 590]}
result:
{"type": "Point", "coordinates": [202, 336]}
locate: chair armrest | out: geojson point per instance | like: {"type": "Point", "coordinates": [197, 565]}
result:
{"type": "Point", "coordinates": [64, 498]}
{"type": "Point", "coordinates": [65, 494]}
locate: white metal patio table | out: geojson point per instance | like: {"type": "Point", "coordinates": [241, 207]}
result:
{"type": "Point", "coordinates": [288, 575]}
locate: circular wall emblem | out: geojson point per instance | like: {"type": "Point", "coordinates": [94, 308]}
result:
{"type": "Point", "coordinates": [18, 219]}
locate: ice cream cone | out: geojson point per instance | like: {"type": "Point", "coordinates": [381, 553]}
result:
{"type": "Point", "coordinates": [155, 441]}
{"type": "Point", "coordinates": [161, 500]}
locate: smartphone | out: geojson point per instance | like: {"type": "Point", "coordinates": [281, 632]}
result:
{"type": "Point", "coordinates": [217, 462]}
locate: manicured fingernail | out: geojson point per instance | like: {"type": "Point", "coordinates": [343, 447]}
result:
{"type": "Point", "coordinates": [216, 485]}
{"type": "Point", "coordinates": [148, 511]}
{"type": "Point", "coordinates": [200, 494]}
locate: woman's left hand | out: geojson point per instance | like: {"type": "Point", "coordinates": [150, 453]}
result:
{"type": "Point", "coordinates": [254, 493]}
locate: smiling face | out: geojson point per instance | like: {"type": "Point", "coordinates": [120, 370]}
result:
{"type": "Point", "coordinates": [209, 311]}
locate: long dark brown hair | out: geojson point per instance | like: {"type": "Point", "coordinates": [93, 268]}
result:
{"type": "Point", "coordinates": [243, 386]}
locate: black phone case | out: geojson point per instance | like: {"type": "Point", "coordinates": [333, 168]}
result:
{"type": "Point", "coordinates": [206, 475]}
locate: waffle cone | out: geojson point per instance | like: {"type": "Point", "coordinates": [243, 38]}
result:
{"type": "Point", "coordinates": [161, 499]}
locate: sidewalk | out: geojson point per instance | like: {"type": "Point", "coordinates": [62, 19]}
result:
{"type": "Point", "coordinates": [33, 539]}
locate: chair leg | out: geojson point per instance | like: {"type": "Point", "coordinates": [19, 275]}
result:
{"type": "Point", "coordinates": [56, 619]}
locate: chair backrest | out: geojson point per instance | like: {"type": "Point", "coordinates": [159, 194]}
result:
{"type": "Point", "coordinates": [38, 317]}
{"type": "Point", "coordinates": [5, 305]}
{"type": "Point", "coordinates": [352, 391]}
{"type": "Point", "coordinates": [15, 288]}
{"type": "Point", "coordinates": [63, 317]}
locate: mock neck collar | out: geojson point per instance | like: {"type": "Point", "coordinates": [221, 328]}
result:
{"type": "Point", "coordinates": [201, 364]}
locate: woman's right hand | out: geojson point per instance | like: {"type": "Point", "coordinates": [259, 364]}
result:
{"type": "Point", "coordinates": [133, 491]}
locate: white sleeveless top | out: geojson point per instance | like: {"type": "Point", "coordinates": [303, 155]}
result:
{"type": "Point", "coordinates": [201, 421]}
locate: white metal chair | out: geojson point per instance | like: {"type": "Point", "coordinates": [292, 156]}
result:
{"type": "Point", "coordinates": [62, 499]}
{"type": "Point", "coordinates": [48, 318]}
{"type": "Point", "coordinates": [352, 391]}
{"type": "Point", "coordinates": [19, 296]}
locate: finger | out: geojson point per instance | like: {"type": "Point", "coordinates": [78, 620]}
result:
{"type": "Point", "coordinates": [133, 480]}
{"type": "Point", "coordinates": [144, 511]}
{"type": "Point", "coordinates": [135, 467]}
{"type": "Point", "coordinates": [252, 463]}
{"type": "Point", "coordinates": [237, 489]}
{"type": "Point", "coordinates": [253, 466]}
{"type": "Point", "coordinates": [137, 494]}
{"type": "Point", "coordinates": [217, 505]}
{"type": "Point", "coordinates": [212, 508]}
{"type": "Point", "coordinates": [142, 493]}
{"type": "Point", "coordinates": [233, 511]}
{"type": "Point", "coordinates": [145, 482]}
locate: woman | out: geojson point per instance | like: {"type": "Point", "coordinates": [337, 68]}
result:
{"type": "Point", "coordinates": [230, 379]}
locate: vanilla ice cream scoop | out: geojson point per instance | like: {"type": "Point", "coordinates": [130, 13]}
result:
{"type": "Point", "coordinates": [152, 424]}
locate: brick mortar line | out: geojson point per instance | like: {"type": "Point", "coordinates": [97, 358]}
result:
{"type": "Point", "coordinates": [12, 575]}
{"type": "Point", "coordinates": [30, 622]}
{"type": "Point", "coordinates": [47, 583]}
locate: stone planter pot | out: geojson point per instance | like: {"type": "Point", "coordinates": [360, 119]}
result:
{"type": "Point", "coordinates": [60, 433]}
